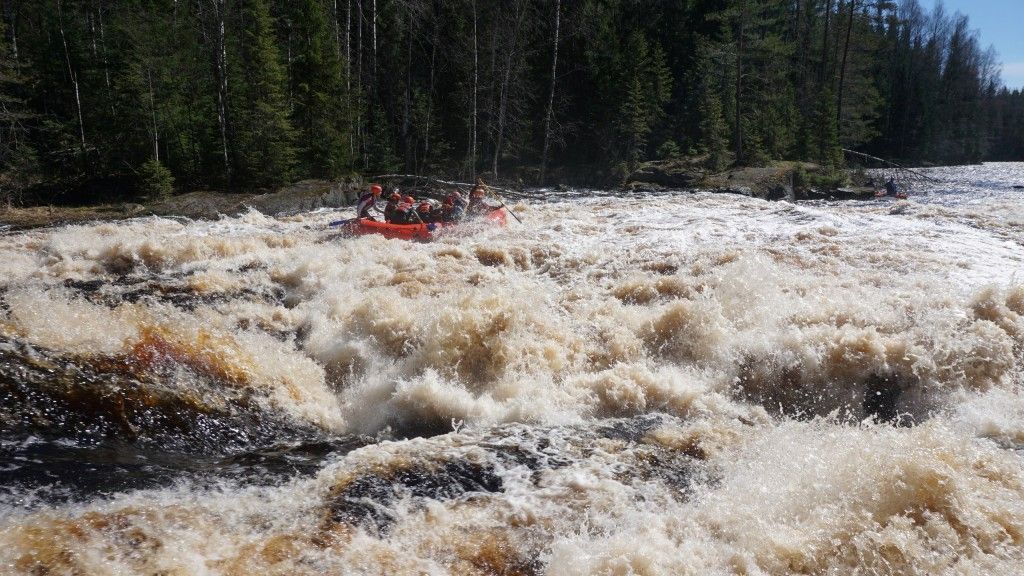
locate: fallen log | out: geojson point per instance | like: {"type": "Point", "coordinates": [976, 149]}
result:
{"type": "Point", "coordinates": [893, 164]}
{"type": "Point", "coordinates": [460, 185]}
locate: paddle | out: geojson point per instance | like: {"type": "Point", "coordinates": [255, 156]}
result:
{"type": "Point", "coordinates": [342, 222]}
{"type": "Point", "coordinates": [500, 201]}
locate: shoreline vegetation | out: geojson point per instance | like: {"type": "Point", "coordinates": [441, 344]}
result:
{"type": "Point", "coordinates": [784, 180]}
{"type": "Point", "coordinates": [123, 103]}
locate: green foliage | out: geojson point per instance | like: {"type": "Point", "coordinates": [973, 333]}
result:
{"type": "Point", "coordinates": [263, 136]}
{"type": "Point", "coordinates": [18, 161]}
{"type": "Point", "coordinates": [828, 180]}
{"type": "Point", "coordinates": [669, 150]}
{"type": "Point", "coordinates": [316, 78]}
{"type": "Point", "coordinates": [254, 93]}
{"type": "Point", "coordinates": [800, 179]}
{"type": "Point", "coordinates": [829, 152]}
{"type": "Point", "coordinates": [648, 87]}
{"type": "Point", "coordinates": [155, 180]}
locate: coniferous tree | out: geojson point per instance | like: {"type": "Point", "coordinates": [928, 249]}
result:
{"type": "Point", "coordinates": [319, 113]}
{"type": "Point", "coordinates": [254, 93]}
{"type": "Point", "coordinates": [264, 149]}
{"type": "Point", "coordinates": [18, 163]}
{"type": "Point", "coordinates": [648, 87]}
{"type": "Point", "coordinates": [829, 152]}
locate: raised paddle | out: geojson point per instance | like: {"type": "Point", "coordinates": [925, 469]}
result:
{"type": "Point", "coordinates": [500, 201]}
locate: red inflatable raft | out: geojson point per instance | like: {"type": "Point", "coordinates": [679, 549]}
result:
{"type": "Point", "coordinates": [417, 231]}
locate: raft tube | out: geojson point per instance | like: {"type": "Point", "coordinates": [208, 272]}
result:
{"type": "Point", "coordinates": [416, 231]}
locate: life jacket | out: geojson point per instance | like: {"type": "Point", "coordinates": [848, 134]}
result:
{"type": "Point", "coordinates": [457, 200]}
{"type": "Point", "coordinates": [403, 214]}
{"type": "Point", "coordinates": [366, 201]}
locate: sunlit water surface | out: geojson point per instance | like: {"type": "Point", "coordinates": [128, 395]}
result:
{"type": "Point", "coordinates": [655, 384]}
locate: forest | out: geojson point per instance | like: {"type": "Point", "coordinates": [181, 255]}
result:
{"type": "Point", "coordinates": [143, 97]}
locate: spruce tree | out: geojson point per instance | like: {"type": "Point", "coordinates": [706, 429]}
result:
{"type": "Point", "coordinates": [647, 86]}
{"type": "Point", "coordinates": [319, 114]}
{"type": "Point", "coordinates": [18, 163]}
{"type": "Point", "coordinates": [829, 152]}
{"type": "Point", "coordinates": [264, 139]}
{"type": "Point", "coordinates": [713, 129]}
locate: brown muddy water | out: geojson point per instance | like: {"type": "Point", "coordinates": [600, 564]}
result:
{"type": "Point", "coordinates": [680, 383]}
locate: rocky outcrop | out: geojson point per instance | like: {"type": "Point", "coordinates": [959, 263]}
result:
{"type": "Point", "coordinates": [301, 196]}
{"type": "Point", "coordinates": [781, 180]}
{"type": "Point", "coordinates": [668, 174]}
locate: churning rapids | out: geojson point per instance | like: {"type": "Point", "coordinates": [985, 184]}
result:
{"type": "Point", "coordinates": [681, 383]}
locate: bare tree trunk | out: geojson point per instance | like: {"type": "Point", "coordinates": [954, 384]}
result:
{"type": "Point", "coordinates": [551, 94]}
{"type": "Point", "coordinates": [71, 74]}
{"type": "Point", "coordinates": [289, 58]}
{"type": "Point", "coordinates": [842, 69]}
{"type": "Point", "coordinates": [348, 78]}
{"type": "Point", "coordinates": [152, 112]}
{"type": "Point", "coordinates": [407, 107]}
{"type": "Point", "coordinates": [106, 63]}
{"type": "Point", "coordinates": [430, 96]}
{"type": "Point", "coordinates": [359, 82]}
{"type": "Point", "coordinates": [375, 46]}
{"type": "Point", "coordinates": [337, 29]}
{"type": "Point", "coordinates": [222, 82]}
{"type": "Point", "coordinates": [12, 36]}
{"type": "Point", "coordinates": [493, 91]}
{"type": "Point", "coordinates": [476, 81]}
{"type": "Point", "coordinates": [103, 44]}
{"type": "Point", "coordinates": [738, 120]}
{"type": "Point", "coordinates": [824, 42]}
{"type": "Point", "coordinates": [503, 102]}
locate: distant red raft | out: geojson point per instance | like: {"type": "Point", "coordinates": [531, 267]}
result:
{"type": "Point", "coordinates": [416, 231]}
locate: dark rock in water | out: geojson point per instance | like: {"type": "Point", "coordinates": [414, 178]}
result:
{"type": "Point", "coordinates": [298, 197]}
{"type": "Point", "coordinates": [881, 397]}
{"type": "Point", "coordinates": [787, 392]}
{"type": "Point", "coordinates": [74, 426]}
{"type": "Point", "coordinates": [62, 470]}
{"type": "Point", "coordinates": [669, 173]}
{"type": "Point", "coordinates": [100, 399]}
{"type": "Point", "coordinates": [462, 468]}
{"type": "Point", "coordinates": [366, 500]}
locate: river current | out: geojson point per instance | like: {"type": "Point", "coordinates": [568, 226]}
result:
{"type": "Point", "coordinates": [672, 383]}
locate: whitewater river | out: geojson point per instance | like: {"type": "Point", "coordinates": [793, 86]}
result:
{"type": "Point", "coordinates": [680, 383]}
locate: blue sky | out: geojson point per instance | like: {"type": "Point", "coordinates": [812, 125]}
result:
{"type": "Point", "coordinates": [1001, 23]}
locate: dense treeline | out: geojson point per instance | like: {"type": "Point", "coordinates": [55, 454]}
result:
{"type": "Point", "coordinates": [255, 93]}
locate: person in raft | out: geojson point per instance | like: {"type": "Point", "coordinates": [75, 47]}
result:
{"type": "Point", "coordinates": [368, 201]}
{"type": "Point", "coordinates": [425, 212]}
{"type": "Point", "coordinates": [405, 212]}
{"type": "Point", "coordinates": [477, 204]}
{"type": "Point", "coordinates": [891, 189]}
{"type": "Point", "coordinates": [392, 206]}
{"type": "Point", "coordinates": [454, 207]}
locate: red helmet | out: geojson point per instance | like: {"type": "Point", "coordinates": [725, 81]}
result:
{"type": "Point", "coordinates": [376, 189]}
{"type": "Point", "coordinates": [409, 200]}
{"type": "Point", "coordinates": [424, 207]}
{"type": "Point", "coordinates": [395, 197]}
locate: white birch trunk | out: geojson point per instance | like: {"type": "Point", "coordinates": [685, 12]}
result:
{"type": "Point", "coordinates": [152, 111]}
{"type": "Point", "coordinates": [71, 74]}
{"type": "Point", "coordinates": [476, 80]}
{"type": "Point", "coordinates": [551, 94]}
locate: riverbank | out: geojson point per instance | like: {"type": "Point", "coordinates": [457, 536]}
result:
{"type": "Point", "coordinates": [200, 205]}
{"type": "Point", "coordinates": [781, 180]}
